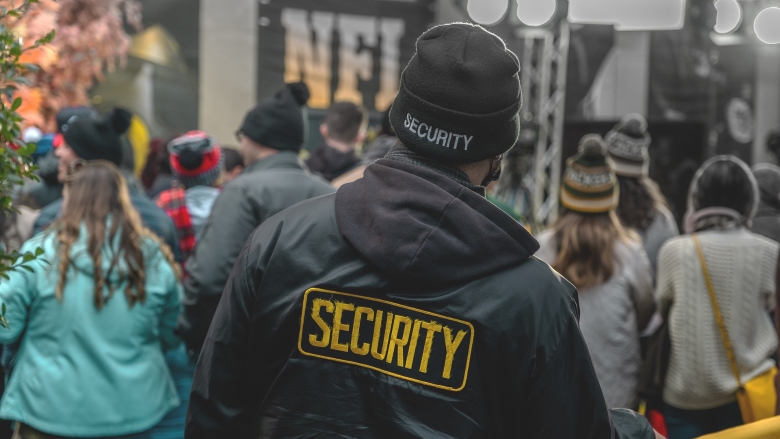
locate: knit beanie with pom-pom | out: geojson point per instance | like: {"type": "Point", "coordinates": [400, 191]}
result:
{"type": "Point", "coordinates": [589, 184]}
{"type": "Point", "coordinates": [628, 144]}
{"type": "Point", "coordinates": [279, 122]}
{"type": "Point", "coordinates": [98, 138]}
{"type": "Point", "coordinates": [196, 159]}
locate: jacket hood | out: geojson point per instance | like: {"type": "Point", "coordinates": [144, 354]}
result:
{"type": "Point", "coordinates": [200, 199]}
{"type": "Point", "coordinates": [417, 225]}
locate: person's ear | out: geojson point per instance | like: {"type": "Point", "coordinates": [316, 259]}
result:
{"type": "Point", "coordinates": [324, 131]}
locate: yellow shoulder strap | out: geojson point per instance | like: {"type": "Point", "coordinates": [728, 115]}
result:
{"type": "Point", "coordinates": [724, 335]}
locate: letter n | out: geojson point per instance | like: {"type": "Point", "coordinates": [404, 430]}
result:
{"type": "Point", "coordinates": [305, 61]}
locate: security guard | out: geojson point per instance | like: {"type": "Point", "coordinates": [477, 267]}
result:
{"type": "Point", "coordinates": [406, 305]}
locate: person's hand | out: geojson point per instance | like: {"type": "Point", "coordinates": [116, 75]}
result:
{"type": "Point", "coordinates": [658, 435]}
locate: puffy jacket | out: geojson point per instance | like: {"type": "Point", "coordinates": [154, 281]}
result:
{"type": "Point", "coordinates": [81, 371]}
{"type": "Point", "coordinates": [264, 188]}
{"type": "Point", "coordinates": [405, 305]}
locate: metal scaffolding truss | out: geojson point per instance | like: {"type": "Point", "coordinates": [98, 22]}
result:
{"type": "Point", "coordinates": [533, 187]}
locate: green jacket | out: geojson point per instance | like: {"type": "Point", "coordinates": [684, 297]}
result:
{"type": "Point", "coordinates": [81, 371]}
{"type": "Point", "coordinates": [265, 188]}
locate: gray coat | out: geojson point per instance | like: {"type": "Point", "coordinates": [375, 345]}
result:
{"type": "Point", "coordinates": [264, 188]}
{"type": "Point", "coordinates": [612, 315]}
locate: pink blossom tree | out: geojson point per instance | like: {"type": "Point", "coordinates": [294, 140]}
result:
{"type": "Point", "coordinates": [90, 38]}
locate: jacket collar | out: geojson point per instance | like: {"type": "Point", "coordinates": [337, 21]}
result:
{"type": "Point", "coordinates": [280, 160]}
{"type": "Point", "coordinates": [401, 153]}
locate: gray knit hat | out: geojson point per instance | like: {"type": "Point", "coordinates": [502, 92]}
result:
{"type": "Point", "coordinates": [627, 144]}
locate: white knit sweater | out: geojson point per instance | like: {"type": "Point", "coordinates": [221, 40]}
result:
{"type": "Point", "coordinates": [742, 266]}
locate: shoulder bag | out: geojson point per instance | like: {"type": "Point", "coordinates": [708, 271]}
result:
{"type": "Point", "coordinates": [757, 397]}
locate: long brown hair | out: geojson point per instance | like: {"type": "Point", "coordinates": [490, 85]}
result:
{"type": "Point", "coordinates": [640, 199]}
{"type": "Point", "coordinates": [586, 246]}
{"type": "Point", "coordinates": [97, 196]}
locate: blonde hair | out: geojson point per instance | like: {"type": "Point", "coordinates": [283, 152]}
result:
{"type": "Point", "coordinates": [97, 194]}
{"type": "Point", "coordinates": [586, 246]}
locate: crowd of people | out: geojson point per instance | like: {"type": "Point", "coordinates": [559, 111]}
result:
{"type": "Point", "coordinates": [211, 293]}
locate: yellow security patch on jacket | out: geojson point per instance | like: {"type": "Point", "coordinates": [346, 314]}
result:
{"type": "Point", "coordinates": [391, 338]}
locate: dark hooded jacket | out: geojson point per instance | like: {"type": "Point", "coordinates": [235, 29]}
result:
{"type": "Point", "coordinates": [405, 305]}
{"type": "Point", "coordinates": [330, 162]}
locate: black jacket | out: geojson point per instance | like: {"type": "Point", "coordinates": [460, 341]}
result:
{"type": "Point", "coordinates": [403, 306]}
{"type": "Point", "coordinates": [330, 162]}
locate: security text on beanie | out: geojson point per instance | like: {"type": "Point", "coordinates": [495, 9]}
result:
{"type": "Point", "coordinates": [436, 135]}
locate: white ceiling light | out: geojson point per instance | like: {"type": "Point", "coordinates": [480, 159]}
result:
{"type": "Point", "coordinates": [593, 11]}
{"type": "Point", "coordinates": [767, 25]}
{"type": "Point", "coordinates": [487, 12]}
{"type": "Point", "coordinates": [535, 12]}
{"type": "Point", "coordinates": [729, 16]}
{"type": "Point", "coordinates": [629, 14]}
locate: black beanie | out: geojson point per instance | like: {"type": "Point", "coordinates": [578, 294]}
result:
{"type": "Point", "coordinates": [459, 98]}
{"type": "Point", "coordinates": [278, 122]}
{"type": "Point", "coordinates": [98, 139]}
{"type": "Point", "coordinates": [71, 114]}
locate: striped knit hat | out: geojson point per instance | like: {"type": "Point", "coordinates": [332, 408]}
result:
{"type": "Point", "coordinates": [589, 184]}
{"type": "Point", "coordinates": [627, 144]}
{"type": "Point", "coordinates": [196, 159]}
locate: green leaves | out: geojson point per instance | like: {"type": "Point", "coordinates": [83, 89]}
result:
{"type": "Point", "coordinates": [15, 162]}
{"type": "Point", "coordinates": [48, 38]}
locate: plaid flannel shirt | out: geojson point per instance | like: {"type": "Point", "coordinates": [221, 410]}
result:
{"type": "Point", "coordinates": [174, 204]}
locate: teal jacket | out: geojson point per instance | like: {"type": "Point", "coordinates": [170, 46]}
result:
{"type": "Point", "coordinates": [81, 371]}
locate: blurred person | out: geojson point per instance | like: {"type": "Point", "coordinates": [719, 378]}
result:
{"type": "Point", "coordinates": [16, 227]}
{"type": "Point", "coordinates": [699, 391]}
{"type": "Point", "coordinates": [766, 222]}
{"type": "Point", "coordinates": [271, 137]}
{"type": "Point", "coordinates": [234, 164]}
{"type": "Point", "coordinates": [198, 164]}
{"type": "Point", "coordinates": [157, 175]}
{"type": "Point", "coordinates": [41, 193]}
{"type": "Point", "coordinates": [375, 150]}
{"type": "Point", "coordinates": [642, 206]}
{"type": "Point", "coordinates": [772, 142]}
{"type": "Point", "coordinates": [94, 314]}
{"type": "Point", "coordinates": [406, 305]}
{"type": "Point", "coordinates": [127, 166]}
{"type": "Point", "coordinates": [99, 139]}
{"type": "Point", "coordinates": [47, 189]}
{"type": "Point", "coordinates": [606, 262]}
{"type": "Point", "coordinates": [384, 141]}
{"type": "Point", "coordinates": [343, 129]}
{"type": "Point", "coordinates": [507, 208]}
